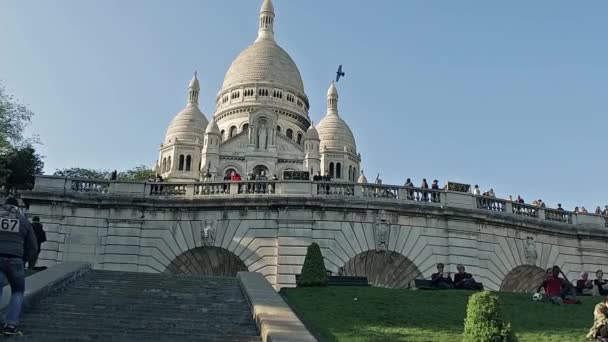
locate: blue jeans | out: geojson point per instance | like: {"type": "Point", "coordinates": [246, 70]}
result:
{"type": "Point", "coordinates": [12, 269]}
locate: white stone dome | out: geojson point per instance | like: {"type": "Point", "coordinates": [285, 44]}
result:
{"type": "Point", "coordinates": [334, 133]}
{"type": "Point", "coordinates": [362, 179]}
{"type": "Point", "coordinates": [213, 128]}
{"type": "Point", "coordinates": [189, 124]}
{"type": "Point", "coordinates": [311, 133]}
{"type": "Point", "coordinates": [264, 62]}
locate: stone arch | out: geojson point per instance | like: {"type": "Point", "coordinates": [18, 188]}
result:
{"type": "Point", "coordinates": [523, 279]}
{"type": "Point", "coordinates": [383, 269]}
{"type": "Point", "coordinates": [207, 261]}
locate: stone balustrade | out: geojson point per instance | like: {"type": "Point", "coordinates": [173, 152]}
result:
{"type": "Point", "coordinates": [457, 199]}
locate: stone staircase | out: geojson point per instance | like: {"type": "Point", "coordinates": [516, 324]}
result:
{"type": "Point", "coordinates": [119, 306]}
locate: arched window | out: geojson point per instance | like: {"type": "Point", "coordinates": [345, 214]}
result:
{"type": "Point", "coordinates": [163, 168]}
{"type": "Point", "coordinates": [338, 170]}
{"type": "Point", "coordinates": [169, 165]}
{"type": "Point", "coordinates": [181, 163]}
{"type": "Point", "coordinates": [245, 127]}
{"type": "Point", "coordinates": [331, 170]}
{"type": "Point", "coordinates": [200, 164]}
{"type": "Point", "coordinates": [279, 129]}
{"type": "Point", "coordinates": [232, 131]}
{"type": "Point", "coordinates": [355, 174]}
{"type": "Point", "coordinates": [350, 173]}
{"type": "Point", "coordinates": [223, 134]}
{"type": "Point", "coordinates": [188, 162]}
{"type": "Point", "coordinates": [299, 139]}
{"type": "Point", "coordinates": [290, 133]}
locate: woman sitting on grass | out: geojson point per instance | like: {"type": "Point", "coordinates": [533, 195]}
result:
{"type": "Point", "coordinates": [599, 330]}
{"type": "Point", "coordinates": [558, 290]}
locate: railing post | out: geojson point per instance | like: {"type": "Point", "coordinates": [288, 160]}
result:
{"type": "Point", "coordinates": [358, 190]}
{"type": "Point", "coordinates": [403, 195]}
{"type": "Point", "coordinates": [234, 188]}
{"type": "Point", "coordinates": [190, 190]}
{"type": "Point", "coordinates": [541, 214]}
{"type": "Point", "coordinates": [509, 207]}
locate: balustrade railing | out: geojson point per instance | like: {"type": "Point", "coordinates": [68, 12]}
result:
{"type": "Point", "coordinates": [380, 191]}
{"type": "Point", "coordinates": [338, 189]}
{"type": "Point", "coordinates": [256, 187]}
{"type": "Point", "coordinates": [168, 189]}
{"type": "Point", "coordinates": [211, 189]}
{"type": "Point", "coordinates": [491, 203]}
{"type": "Point", "coordinates": [423, 195]}
{"type": "Point", "coordinates": [90, 186]}
{"type": "Point", "coordinates": [558, 215]}
{"type": "Point", "coordinates": [525, 210]}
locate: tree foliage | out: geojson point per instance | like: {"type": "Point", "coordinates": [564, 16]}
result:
{"type": "Point", "coordinates": [19, 167]}
{"type": "Point", "coordinates": [14, 117]}
{"type": "Point", "coordinates": [313, 272]}
{"type": "Point", "coordinates": [485, 322]}
{"type": "Point", "coordinates": [138, 173]}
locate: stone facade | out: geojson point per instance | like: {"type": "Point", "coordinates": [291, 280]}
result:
{"type": "Point", "coordinates": [390, 234]}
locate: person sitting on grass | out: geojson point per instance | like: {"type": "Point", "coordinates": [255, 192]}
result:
{"type": "Point", "coordinates": [584, 286]}
{"type": "Point", "coordinates": [464, 280]}
{"type": "Point", "coordinates": [558, 290]}
{"type": "Point", "coordinates": [600, 285]}
{"type": "Point", "coordinates": [442, 280]}
{"type": "Point", "coordinates": [599, 329]}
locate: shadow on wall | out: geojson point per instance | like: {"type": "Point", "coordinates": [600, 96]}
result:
{"type": "Point", "coordinates": [207, 261]}
{"type": "Point", "coordinates": [383, 269]}
{"type": "Point", "coordinates": [523, 279]}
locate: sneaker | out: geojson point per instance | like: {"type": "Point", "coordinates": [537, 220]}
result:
{"type": "Point", "coordinates": [10, 329]}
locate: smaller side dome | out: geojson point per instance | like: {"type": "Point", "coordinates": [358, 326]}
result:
{"type": "Point", "coordinates": [212, 128]}
{"type": "Point", "coordinates": [362, 179]}
{"type": "Point", "coordinates": [312, 133]}
{"type": "Point", "coordinates": [190, 123]}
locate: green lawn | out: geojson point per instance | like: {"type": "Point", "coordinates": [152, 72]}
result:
{"type": "Point", "coordinates": [408, 315]}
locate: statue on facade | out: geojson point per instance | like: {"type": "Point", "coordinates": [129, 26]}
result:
{"type": "Point", "coordinates": [262, 137]}
{"type": "Point", "coordinates": [208, 234]}
{"type": "Point", "coordinates": [531, 254]}
{"type": "Point", "coordinates": [382, 229]}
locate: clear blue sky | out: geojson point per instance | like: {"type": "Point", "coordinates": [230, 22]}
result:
{"type": "Point", "coordinates": [510, 95]}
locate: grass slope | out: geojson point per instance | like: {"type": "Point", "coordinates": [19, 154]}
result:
{"type": "Point", "coordinates": [405, 315]}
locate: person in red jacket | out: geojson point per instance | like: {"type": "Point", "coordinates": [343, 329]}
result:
{"type": "Point", "coordinates": [235, 177]}
{"type": "Point", "coordinates": [558, 290]}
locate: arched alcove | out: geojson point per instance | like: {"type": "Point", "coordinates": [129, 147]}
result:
{"type": "Point", "coordinates": [383, 269]}
{"type": "Point", "coordinates": [523, 279]}
{"type": "Point", "coordinates": [208, 261]}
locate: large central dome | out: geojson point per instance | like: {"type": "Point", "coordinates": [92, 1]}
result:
{"type": "Point", "coordinates": [265, 62]}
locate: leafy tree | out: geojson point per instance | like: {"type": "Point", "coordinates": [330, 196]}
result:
{"type": "Point", "coordinates": [139, 173]}
{"type": "Point", "coordinates": [19, 167]}
{"type": "Point", "coordinates": [14, 117]}
{"type": "Point", "coordinates": [485, 322]}
{"type": "Point", "coordinates": [313, 272]}
{"type": "Point", "coordinates": [77, 172]}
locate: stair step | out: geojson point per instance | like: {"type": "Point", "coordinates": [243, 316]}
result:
{"type": "Point", "coordinates": [122, 306]}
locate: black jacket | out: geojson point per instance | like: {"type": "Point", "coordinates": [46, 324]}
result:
{"type": "Point", "coordinates": [17, 237]}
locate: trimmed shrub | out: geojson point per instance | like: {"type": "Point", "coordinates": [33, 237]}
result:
{"type": "Point", "coordinates": [313, 272]}
{"type": "Point", "coordinates": [484, 322]}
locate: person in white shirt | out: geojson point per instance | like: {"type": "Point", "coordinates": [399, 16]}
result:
{"type": "Point", "coordinates": [476, 191]}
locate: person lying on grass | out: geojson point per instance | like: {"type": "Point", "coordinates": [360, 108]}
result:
{"type": "Point", "coordinates": [558, 290]}
{"type": "Point", "coordinates": [599, 329]}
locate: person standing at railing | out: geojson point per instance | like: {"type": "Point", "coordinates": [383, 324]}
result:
{"type": "Point", "coordinates": [262, 178]}
{"type": "Point", "coordinates": [605, 212]}
{"type": "Point", "coordinates": [476, 190]}
{"type": "Point", "coordinates": [17, 243]}
{"type": "Point", "coordinates": [235, 177]}
{"type": "Point", "coordinates": [598, 210]}
{"type": "Point", "coordinates": [435, 194]}
{"type": "Point", "coordinates": [425, 194]}
{"type": "Point", "coordinates": [317, 177]}
{"type": "Point", "coordinates": [409, 185]}
{"type": "Point", "coordinates": [559, 207]}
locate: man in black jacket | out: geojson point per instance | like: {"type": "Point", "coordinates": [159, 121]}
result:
{"type": "Point", "coordinates": [40, 237]}
{"type": "Point", "coordinates": [17, 243]}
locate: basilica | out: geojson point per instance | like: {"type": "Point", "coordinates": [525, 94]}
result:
{"type": "Point", "coordinates": [261, 123]}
